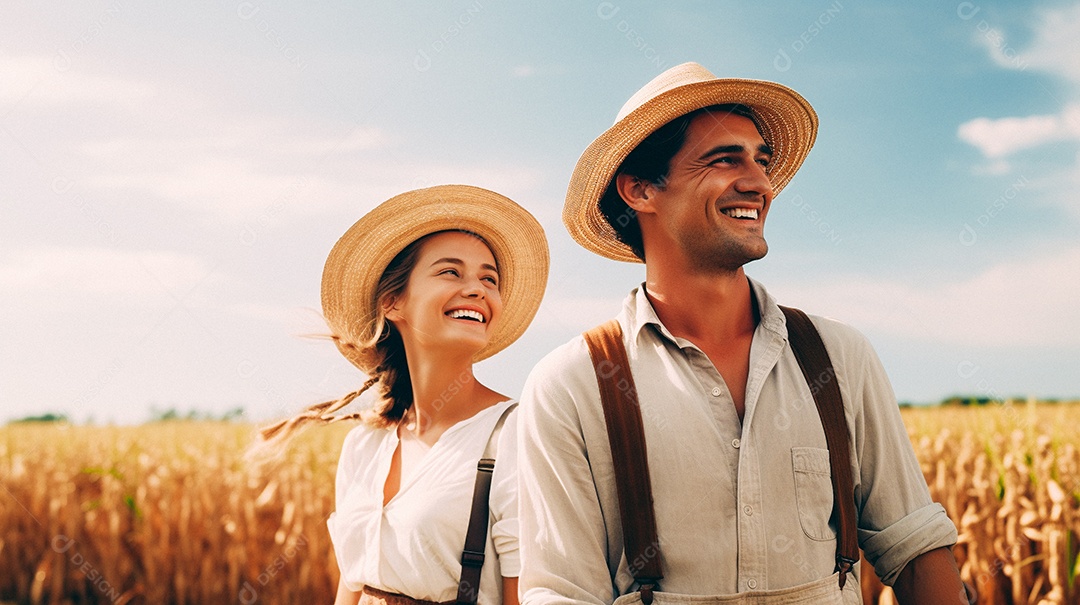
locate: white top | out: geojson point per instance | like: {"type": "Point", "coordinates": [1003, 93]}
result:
{"type": "Point", "coordinates": [412, 546]}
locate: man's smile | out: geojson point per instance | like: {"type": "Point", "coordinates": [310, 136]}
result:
{"type": "Point", "coordinates": [741, 213]}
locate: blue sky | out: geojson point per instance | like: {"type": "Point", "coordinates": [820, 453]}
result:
{"type": "Point", "coordinates": [172, 178]}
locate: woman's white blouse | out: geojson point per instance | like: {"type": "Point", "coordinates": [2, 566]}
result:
{"type": "Point", "coordinates": [412, 546]}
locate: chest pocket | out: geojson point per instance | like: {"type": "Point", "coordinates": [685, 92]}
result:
{"type": "Point", "coordinates": [813, 491]}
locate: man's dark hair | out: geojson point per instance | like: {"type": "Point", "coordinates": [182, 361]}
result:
{"type": "Point", "coordinates": [651, 161]}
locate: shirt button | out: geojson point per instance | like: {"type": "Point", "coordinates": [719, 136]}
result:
{"type": "Point", "coordinates": [748, 510]}
{"type": "Point", "coordinates": [735, 443]}
{"type": "Point", "coordinates": [716, 391]}
{"type": "Point", "coordinates": [752, 583]}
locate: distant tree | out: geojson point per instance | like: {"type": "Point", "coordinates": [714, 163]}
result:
{"type": "Point", "coordinates": [157, 415]}
{"type": "Point", "coordinates": [230, 415]}
{"type": "Point", "coordinates": [47, 417]}
{"type": "Point", "coordinates": [234, 414]}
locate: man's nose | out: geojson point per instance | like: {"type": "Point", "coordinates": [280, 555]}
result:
{"type": "Point", "coordinates": [755, 180]}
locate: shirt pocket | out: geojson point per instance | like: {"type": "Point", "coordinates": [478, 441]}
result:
{"type": "Point", "coordinates": [813, 491]}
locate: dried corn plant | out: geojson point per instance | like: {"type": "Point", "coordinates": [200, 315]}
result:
{"type": "Point", "coordinates": [1008, 474]}
{"type": "Point", "coordinates": [171, 512]}
{"type": "Point", "coordinates": [164, 513]}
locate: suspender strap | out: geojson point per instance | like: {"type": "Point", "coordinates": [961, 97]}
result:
{"type": "Point", "coordinates": [821, 377]}
{"type": "Point", "coordinates": [626, 434]}
{"type": "Point", "coordinates": [627, 437]}
{"type": "Point", "coordinates": [472, 556]}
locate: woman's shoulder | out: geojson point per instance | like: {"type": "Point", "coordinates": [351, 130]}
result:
{"type": "Point", "coordinates": [505, 410]}
{"type": "Point", "coordinates": [364, 437]}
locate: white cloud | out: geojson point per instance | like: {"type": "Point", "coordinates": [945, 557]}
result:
{"type": "Point", "coordinates": [77, 276]}
{"type": "Point", "coordinates": [1053, 48]}
{"type": "Point", "coordinates": [178, 144]}
{"type": "Point", "coordinates": [999, 138]}
{"type": "Point", "coordinates": [240, 190]}
{"type": "Point", "coordinates": [36, 80]}
{"type": "Point", "coordinates": [1026, 303]}
{"type": "Point", "coordinates": [237, 169]}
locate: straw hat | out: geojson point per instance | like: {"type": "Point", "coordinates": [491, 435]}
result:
{"type": "Point", "coordinates": [786, 121]}
{"type": "Point", "coordinates": [361, 256]}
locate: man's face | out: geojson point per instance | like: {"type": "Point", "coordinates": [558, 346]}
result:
{"type": "Point", "coordinates": [712, 207]}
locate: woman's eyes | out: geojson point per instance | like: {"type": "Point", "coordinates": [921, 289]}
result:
{"type": "Point", "coordinates": [493, 280]}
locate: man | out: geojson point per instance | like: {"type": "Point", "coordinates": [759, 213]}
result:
{"type": "Point", "coordinates": [736, 452]}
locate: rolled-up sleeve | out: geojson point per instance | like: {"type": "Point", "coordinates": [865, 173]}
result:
{"type": "Point", "coordinates": [564, 539]}
{"type": "Point", "coordinates": [891, 549]}
{"type": "Point", "coordinates": [897, 519]}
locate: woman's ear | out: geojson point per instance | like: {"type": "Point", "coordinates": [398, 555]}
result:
{"type": "Point", "coordinates": [636, 192]}
{"type": "Point", "coordinates": [390, 308]}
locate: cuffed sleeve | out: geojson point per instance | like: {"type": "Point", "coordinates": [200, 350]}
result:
{"type": "Point", "coordinates": [892, 548]}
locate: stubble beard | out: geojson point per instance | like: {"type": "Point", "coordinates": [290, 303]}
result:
{"type": "Point", "coordinates": [725, 256]}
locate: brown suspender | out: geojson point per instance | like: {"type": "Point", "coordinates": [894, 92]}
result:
{"type": "Point", "coordinates": [627, 438]}
{"type": "Point", "coordinates": [472, 556]}
{"type": "Point", "coordinates": [818, 371]}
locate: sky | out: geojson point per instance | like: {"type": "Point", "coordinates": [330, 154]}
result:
{"type": "Point", "coordinates": [173, 175]}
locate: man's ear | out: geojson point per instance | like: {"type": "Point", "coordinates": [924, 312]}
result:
{"type": "Point", "coordinates": [636, 192]}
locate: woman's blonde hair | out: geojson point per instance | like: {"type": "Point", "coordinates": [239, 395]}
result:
{"type": "Point", "coordinates": [384, 352]}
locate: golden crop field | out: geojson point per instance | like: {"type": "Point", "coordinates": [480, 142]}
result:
{"type": "Point", "coordinates": [171, 512]}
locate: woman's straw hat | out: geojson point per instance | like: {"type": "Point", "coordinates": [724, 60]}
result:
{"type": "Point", "coordinates": [786, 121]}
{"type": "Point", "coordinates": [361, 256]}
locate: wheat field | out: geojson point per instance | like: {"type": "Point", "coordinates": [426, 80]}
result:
{"type": "Point", "coordinates": [171, 512]}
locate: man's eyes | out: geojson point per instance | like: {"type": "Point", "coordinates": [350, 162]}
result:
{"type": "Point", "coordinates": [764, 162]}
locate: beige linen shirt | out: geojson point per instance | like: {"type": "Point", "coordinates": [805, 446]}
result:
{"type": "Point", "coordinates": [739, 506]}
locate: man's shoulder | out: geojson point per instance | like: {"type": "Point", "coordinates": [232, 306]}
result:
{"type": "Point", "coordinates": [570, 358]}
{"type": "Point", "coordinates": [839, 336]}
{"type": "Point", "coordinates": [850, 351]}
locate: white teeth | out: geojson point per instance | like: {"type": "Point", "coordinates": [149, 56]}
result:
{"type": "Point", "coordinates": [750, 213]}
{"type": "Point", "coordinates": [466, 314]}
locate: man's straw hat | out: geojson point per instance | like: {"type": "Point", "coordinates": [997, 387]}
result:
{"type": "Point", "coordinates": [361, 256]}
{"type": "Point", "coordinates": [786, 121]}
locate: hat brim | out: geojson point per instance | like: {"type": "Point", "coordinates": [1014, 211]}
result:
{"type": "Point", "coordinates": [787, 122]}
{"type": "Point", "coordinates": [358, 260]}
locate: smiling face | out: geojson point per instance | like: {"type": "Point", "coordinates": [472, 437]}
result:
{"type": "Point", "coordinates": [452, 299]}
{"type": "Point", "coordinates": [711, 208]}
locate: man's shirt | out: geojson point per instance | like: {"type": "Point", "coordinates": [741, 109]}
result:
{"type": "Point", "coordinates": [740, 506]}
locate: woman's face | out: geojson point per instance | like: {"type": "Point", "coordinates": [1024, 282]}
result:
{"type": "Point", "coordinates": [452, 300]}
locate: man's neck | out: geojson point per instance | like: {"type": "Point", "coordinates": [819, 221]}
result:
{"type": "Point", "coordinates": [702, 307]}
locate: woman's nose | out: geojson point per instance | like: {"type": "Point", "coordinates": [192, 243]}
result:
{"type": "Point", "coordinates": [473, 288]}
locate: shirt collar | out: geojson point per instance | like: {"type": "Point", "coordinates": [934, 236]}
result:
{"type": "Point", "coordinates": [638, 312]}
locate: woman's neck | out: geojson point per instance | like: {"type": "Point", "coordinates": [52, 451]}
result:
{"type": "Point", "coordinates": [444, 394]}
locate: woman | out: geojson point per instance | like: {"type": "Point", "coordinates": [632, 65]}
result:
{"type": "Point", "coordinates": [419, 289]}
